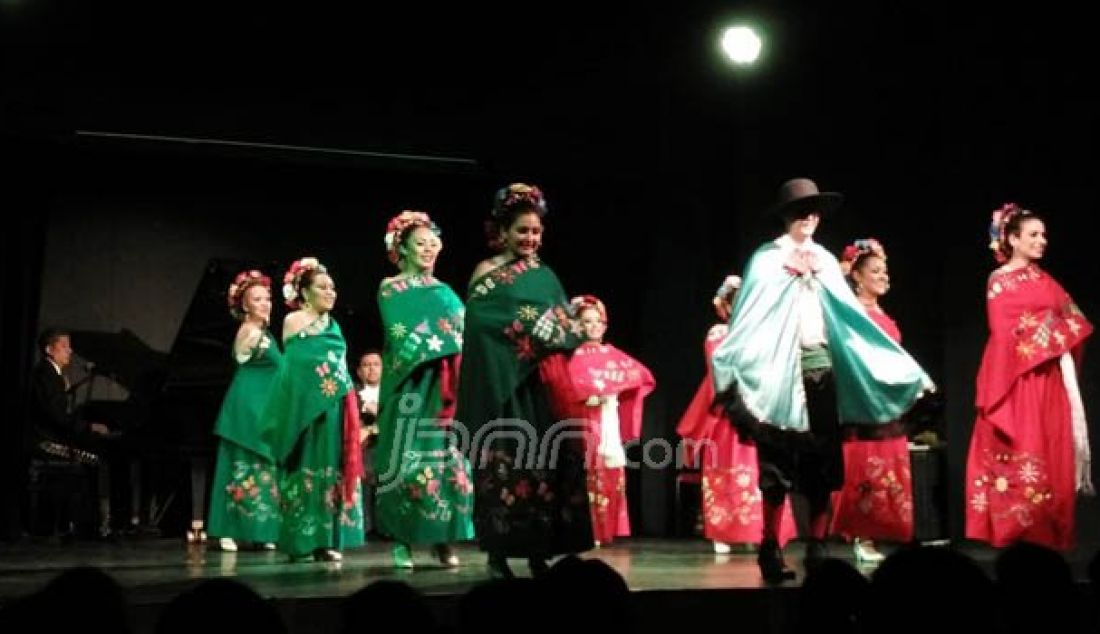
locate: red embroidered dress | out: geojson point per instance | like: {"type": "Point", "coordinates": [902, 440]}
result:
{"type": "Point", "coordinates": [732, 502]}
{"type": "Point", "coordinates": [622, 382]}
{"type": "Point", "coordinates": [1020, 475]}
{"type": "Point", "coordinates": [876, 500]}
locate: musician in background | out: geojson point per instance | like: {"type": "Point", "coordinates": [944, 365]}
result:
{"type": "Point", "coordinates": [369, 373]}
{"type": "Point", "coordinates": [56, 431]}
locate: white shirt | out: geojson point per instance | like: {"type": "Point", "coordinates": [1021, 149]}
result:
{"type": "Point", "coordinates": [611, 443]}
{"type": "Point", "coordinates": [811, 320]}
{"type": "Point", "coordinates": [368, 396]}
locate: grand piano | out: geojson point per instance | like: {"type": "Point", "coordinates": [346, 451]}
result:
{"type": "Point", "coordinates": [167, 420]}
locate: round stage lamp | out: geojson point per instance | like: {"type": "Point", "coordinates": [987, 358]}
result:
{"type": "Point", "coordinates": [741, 45]}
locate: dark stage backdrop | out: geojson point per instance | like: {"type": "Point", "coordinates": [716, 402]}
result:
{"type": "Point", "coordinates": [656, 158]}
{"type": "Point", "coordinates": [130, 236]}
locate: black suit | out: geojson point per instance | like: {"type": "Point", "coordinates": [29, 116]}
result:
{"type": "Point", "coordinates": [50, 415]}
{"type": "Point", "coordinates": [55, 432]}
{"type": "Point", "coordinates": [369, 476]}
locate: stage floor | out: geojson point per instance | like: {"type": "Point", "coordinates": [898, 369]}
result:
{"type": "Point", "coordinates": [152, 571]}
{"type": "Point", "coordinates": [676, 582]}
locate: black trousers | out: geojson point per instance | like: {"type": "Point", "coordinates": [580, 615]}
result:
{"type": "Point", "coordinates": [810, 463]}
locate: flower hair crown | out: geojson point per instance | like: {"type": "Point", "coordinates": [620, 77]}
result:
{"type": "Point", "coordinates": [240, 285]}
{"type": "Point", "coordinates": [504, 201]}
{"type": "Point", "coordinates": [516, 194]}
{"type": "Point", "coordinates": [293, 276]}
{"type": "Point", "coordinates": [858, 249]}
{"type": "Point", "coordinates": [997, 239]}
{"type": "Point", "coordinates": [581, 302]}
{"type": "Point", "coordinates": [403, 222]}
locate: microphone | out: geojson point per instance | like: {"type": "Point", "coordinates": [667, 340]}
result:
{"type": "Point", "coordinates": [83, 363]}
{"type": "Point", "coordinates": [87, 374]}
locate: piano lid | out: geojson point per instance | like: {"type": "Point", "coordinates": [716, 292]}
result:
{"type": "Point", "coordinates": [121, 355]}
{"type": "Point", "coordinates": [175, 397]}
{"type": "Point", "coordinates": [199, 365]}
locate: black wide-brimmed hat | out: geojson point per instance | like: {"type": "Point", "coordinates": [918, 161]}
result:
{"type": "Point", "coordinates": [800, 195]}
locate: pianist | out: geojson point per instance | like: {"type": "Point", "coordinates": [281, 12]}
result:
{"type": "Point", "coordinates": [56, 431]}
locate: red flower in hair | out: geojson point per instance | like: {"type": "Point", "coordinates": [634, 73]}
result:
{"type": "Point", "coordinates": [240, 285]}
{"type": "Point", "coordinates": [507, 198]}
{"type": "Point", "coordinates": [858, 249]}
{"type": "Point", "coordinates": [405, 221]}
{"type": "Point", "coordinates": [997, 230]}
{"type": "Point", "coordinates": [293, 275]}
{"type": "Point", "coordinates": [582, 302]}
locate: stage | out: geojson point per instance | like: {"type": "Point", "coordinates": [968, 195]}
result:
{"type": "Point", "coordinates": [674, 581]}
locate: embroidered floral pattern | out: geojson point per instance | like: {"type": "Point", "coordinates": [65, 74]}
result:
{"type": "Point", "coordinates": [331, 380]}
{"type": "Point", "coordinates": [524, 348]}
{"type": "Point", "coordinates": [1045, 332]}
{"type": "Point", "coordinates": [1041, 333]}
{"type": "Point", "coordinates": [522, 504]}
{"type": "Point", "coordinates": [300, 491]}
{"type": "Point", "coordinates": [530, 329]}
{"type": "Point", "coordinates": [504, 275]}
{"type": "Point", "coordinates": [731, 497]}
{"type": "Point", "coordinates": [397, 286]}
{"type": "Point", "coordinates": [881, 492]}
{"type": "Point", "coordinates": [252, 492]}
{"type": "Point", "coordinates": [1006, 281]}
{"type": "Point", "coordinates": [435, 486]}
{"type": "Point", "coordinates": [606, 496]}
{"type": "Point", "coordinates": [425, 337]}
{"type": "Point", "coordinates": [1013, 486]}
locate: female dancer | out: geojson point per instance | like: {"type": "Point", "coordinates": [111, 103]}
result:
{"type": "Point", "coordinates": [313, 423]}
{"type": "Point", "coordinates": [244, 502]}
{"type": "Point", "coordinates": [613, 385]}
{"type": "Point", "coordinates": [425, 495]}
{"type": "Point", "coordinates": [1029, 452]}
{"type": "Point", "coordinates": [516, 399]}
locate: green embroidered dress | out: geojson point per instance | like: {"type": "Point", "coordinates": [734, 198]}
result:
{"type": "Point", "coordinates": [244, 501]}
{"type": "Point", "coordinates": [525, 423]}
{"type": "Point", "coordinates": [305, 422]}
{"type": "Point", "coordinates": [425, 494]}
